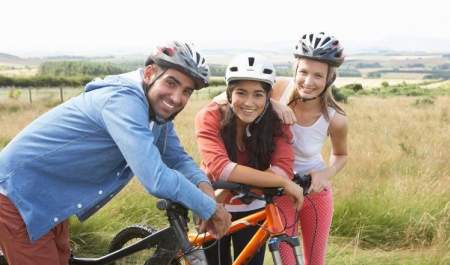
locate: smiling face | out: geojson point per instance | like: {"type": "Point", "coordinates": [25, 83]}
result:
{"type": "Point", "coordinates": [248, 99]}
{"type": "Point", "coordinates": [170, 93]}
{"type": "Point", "coordinates": [311, 77]}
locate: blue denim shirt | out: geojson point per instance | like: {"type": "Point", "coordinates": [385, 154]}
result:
{"type": "Point", "coordinates": [76, 157]}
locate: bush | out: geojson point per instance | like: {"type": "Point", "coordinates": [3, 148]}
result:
{"type": "Point", "coordinates": [6, 81]}
{"type": "Point", "coordinates": [424, 101]}
{"type": "Point", "coordinates": [355, 87]}
{"type": "Point", "coordinates": [45, 81]}
{"type": "Point", "coordinates": [338, 95]}
{"type": "Point", "coordinates": [80, 68]}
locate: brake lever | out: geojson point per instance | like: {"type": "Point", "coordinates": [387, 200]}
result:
{"type": "Point", "coordinates": [304, 181]}
{"type": "Point", "coordinates": [247, 198]}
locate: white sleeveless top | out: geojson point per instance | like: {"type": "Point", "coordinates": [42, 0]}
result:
{"type": "Point", "coordinates": [308, 140]}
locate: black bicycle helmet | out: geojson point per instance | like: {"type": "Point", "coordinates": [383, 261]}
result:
{"type": "Point", "coordinates": [183, 57]}
{"type": "Point", "coordinates": [320, 47]}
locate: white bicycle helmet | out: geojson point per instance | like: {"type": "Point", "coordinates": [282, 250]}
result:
{"type": "Point", "coordinates": [183, 57]}
{"type": "Point", "coordinates": [320, 47]}
{"type": "Point", "coordinates": [250, 66]}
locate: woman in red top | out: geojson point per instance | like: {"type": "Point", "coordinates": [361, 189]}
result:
{"type": "Point", "coordinates": [245, 142]}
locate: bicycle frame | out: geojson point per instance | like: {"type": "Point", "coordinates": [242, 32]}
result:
{"type": "Point", "coordinates": [164, 238]}
{"type": "Point", "coordinates": [169, 242]}
{"type": "Point", "coordinates": [272, 229]}
{"type": "Point", "coordinates": [172, 242]}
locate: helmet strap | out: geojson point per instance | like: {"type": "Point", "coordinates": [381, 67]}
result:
{"type": "Point", "coordinates": [152, 115]}
{"type": "Point", "coordinates": [257, 120]}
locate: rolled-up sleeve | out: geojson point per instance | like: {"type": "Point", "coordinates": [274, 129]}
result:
{"type": "Point", "coordinates": [283, 155]}
{"type": "Point", "coordinates": [215, 160]}
{"type": "Point", "coordinates": [125, 117]}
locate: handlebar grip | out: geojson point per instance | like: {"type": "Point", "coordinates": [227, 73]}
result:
{"type": "Point", "coordinates": [227, 185]}
{"type": "Point", "coordinates": [163, 204]}
{"type": "Point", "coordinates": [304, 181]}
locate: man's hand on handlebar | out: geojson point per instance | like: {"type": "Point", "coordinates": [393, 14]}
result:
{"type": "Point", "coordinates": [218, 224]}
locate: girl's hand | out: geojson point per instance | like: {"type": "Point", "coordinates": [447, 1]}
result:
{"type": "Point", "coordinates": [320, 180]}
{"type": "Point", "coordinates": [285, 113]}
{"type": "Point", "coordinates": [294, 191]}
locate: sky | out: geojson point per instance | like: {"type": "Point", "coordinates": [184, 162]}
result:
{"type": "Point", "coordinates": [102, 27]}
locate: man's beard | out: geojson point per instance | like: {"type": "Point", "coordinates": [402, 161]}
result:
{"type": "Point", "coordinates": [152, 114]}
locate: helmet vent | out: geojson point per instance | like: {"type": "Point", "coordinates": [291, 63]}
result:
{"type": "Point", "coordinates": [189, 49]}
{"type": "Point", "coordinates": [327, 40]}
{"type": "Point", "coordinates": [267, 71]}
{"type": "Point", "coordinates": [234, 69]}
{"type": "Point", "coordinates": [167, 51]}
{"type": "Point", "coordinates": [316, 42]}
{"type": "Point", "coordinates": [251, 61]}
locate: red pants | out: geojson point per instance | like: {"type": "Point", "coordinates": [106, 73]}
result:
{"type": "Point", "coordinates": [51, 249]}
{"type": "Point", "coordinates": [315, 221]}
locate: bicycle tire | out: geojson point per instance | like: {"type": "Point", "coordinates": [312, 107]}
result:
{"type": "Point", "coordinates": [130, 235]}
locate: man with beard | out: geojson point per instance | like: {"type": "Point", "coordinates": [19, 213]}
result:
{"type": "Point", "coordinates": [76, 157]}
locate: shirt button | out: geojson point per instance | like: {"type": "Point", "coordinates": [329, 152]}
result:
{"type": "Point", "coordinates": [100, 192]}
{"type": "Point", "coordinates": [79, 205]}
{"type": "Point", "coordinates": [118, 174]}
{"type": "Point", "coordinates": [55, 219]}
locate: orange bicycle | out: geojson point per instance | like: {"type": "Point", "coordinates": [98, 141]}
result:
{"type": "Point", "coordinates": [272, 229]}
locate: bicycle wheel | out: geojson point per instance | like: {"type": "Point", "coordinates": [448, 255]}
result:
{"type": "Point", "coordinates": [129, 236]}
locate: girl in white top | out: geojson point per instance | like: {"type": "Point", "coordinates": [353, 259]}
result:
{"type": "Point", "coordinates": [316, 116]}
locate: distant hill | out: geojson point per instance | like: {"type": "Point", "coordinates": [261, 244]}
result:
{"type": "Point", "coordinates": [6, 58]}
{"type": "Point", "coordinates": [9, 58]}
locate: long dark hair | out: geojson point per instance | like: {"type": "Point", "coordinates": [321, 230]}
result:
{"type": "Point", "coordinates": [261, 144]}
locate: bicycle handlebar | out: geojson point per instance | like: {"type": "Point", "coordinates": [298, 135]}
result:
{"type": "Point", "coordinates": [303, 180]}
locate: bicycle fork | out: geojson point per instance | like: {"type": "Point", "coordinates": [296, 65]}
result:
{"type": "Point", "coordinates": [292, 241]}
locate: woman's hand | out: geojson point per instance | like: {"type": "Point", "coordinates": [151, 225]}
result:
{"type": "Point", "coordinates": [285, 113]}
{"type": "Point", "coordinates": [320, 180]}
{"type": "Point", "coordinates": [294, 191]}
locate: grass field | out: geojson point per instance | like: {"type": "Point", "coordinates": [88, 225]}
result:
{"type": "Point", "coordinates": [392, 201]}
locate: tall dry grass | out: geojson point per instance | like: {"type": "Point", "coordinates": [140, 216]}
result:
{"type": "Point", "coordinates": [392, 201]}
{"type": "Point", "coordinates": [394, 190]}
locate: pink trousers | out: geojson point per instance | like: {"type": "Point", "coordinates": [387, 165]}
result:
{"type": "Point", "coordinates": [315, 221]}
